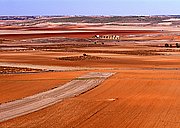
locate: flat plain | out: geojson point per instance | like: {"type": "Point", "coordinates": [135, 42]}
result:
{"type": "Point", "coordinates": [143, 92]}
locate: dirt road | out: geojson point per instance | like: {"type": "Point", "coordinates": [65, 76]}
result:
{"type": "Point", "coordinates": [36, 102]}
{"type": "Point", "coordinates": [43, 67]}
{"type": "Point", "coordinates": [63, 68]}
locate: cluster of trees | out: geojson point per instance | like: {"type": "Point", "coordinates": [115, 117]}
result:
{"type": "Point", "coordinates": [170, 45]}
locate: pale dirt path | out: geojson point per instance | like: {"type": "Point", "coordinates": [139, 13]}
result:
{"type": "Point", "coordinates": [62, 68]}
{"type": "Point", "coordinates": [43, 67]}
{"type": "Point", "coordinates": [47, 68]}
{"type": "Point", "coordinates": [36, 102]}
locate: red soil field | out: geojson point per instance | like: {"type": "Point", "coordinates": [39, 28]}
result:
{"type": "Point", "coordinates": [128, 99]}
{"type": "Point", "coordinates": [17, 86]}
{"type": "Point", "coordinates": [143, 93]}
{"type": "Point", "coordinates": [76, 34]}
{"type": "Point", "coordinates": [121, 61]}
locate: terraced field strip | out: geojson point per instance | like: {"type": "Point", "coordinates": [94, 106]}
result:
{"type": "Point", "coordinates": [36, 102]}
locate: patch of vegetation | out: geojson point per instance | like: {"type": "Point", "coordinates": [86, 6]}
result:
{"type": "Point", "coordinates": [80, 58]}
{"type": "Point", "coordinates": [102, 19]}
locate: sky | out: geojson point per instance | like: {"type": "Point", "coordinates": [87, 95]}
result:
{"type": "Point", "coordinates": [89, 7]}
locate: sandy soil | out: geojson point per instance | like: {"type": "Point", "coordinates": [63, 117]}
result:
{"type": "Point", "coordinates": [130, 27]}
{"type": "Point", "coordinates": [17, 86]}
{"type": "Point", "coordinates": [128, 99]}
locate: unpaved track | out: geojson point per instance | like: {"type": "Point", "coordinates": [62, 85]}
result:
{"type": "Point", "coordinates": [55, 68]}
{"type": "Point", "coordinates": [49, 68]}
{"type": "Point", "coordinates": [36, 102]}
{"type": "Point", "coordinates": [61, 68]}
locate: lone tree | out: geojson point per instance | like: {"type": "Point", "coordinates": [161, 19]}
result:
{"type": "Point", "coordinates": [84, 54]}
{"type": "Point", "coordinates": [177, 45]}
{"type": "Point", "coordinates": [166, 45]}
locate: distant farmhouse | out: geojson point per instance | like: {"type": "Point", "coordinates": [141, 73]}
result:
{"type": "Point", "coordinates": [110, 37]}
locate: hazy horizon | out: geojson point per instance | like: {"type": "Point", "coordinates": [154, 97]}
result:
{"type": "Point", "coordinates": [89, 7]}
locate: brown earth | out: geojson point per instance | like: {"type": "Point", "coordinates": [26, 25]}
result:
{"type": "Point", "coordinates": [111, 60]}
{"type": "Point", "coordinates": [76, 34]}
{"type": "Point", "coordinates": [128, 99]}
{"type": "Point", "coordinates": [42, 100]}
{"type": "Point", "coordinates": [17, 86]}
{"type": "Point", "coordinates": [144, 92]}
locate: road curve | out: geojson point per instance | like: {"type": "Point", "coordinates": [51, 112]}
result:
{"type": "Point", "coordinates": [36, 102]}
